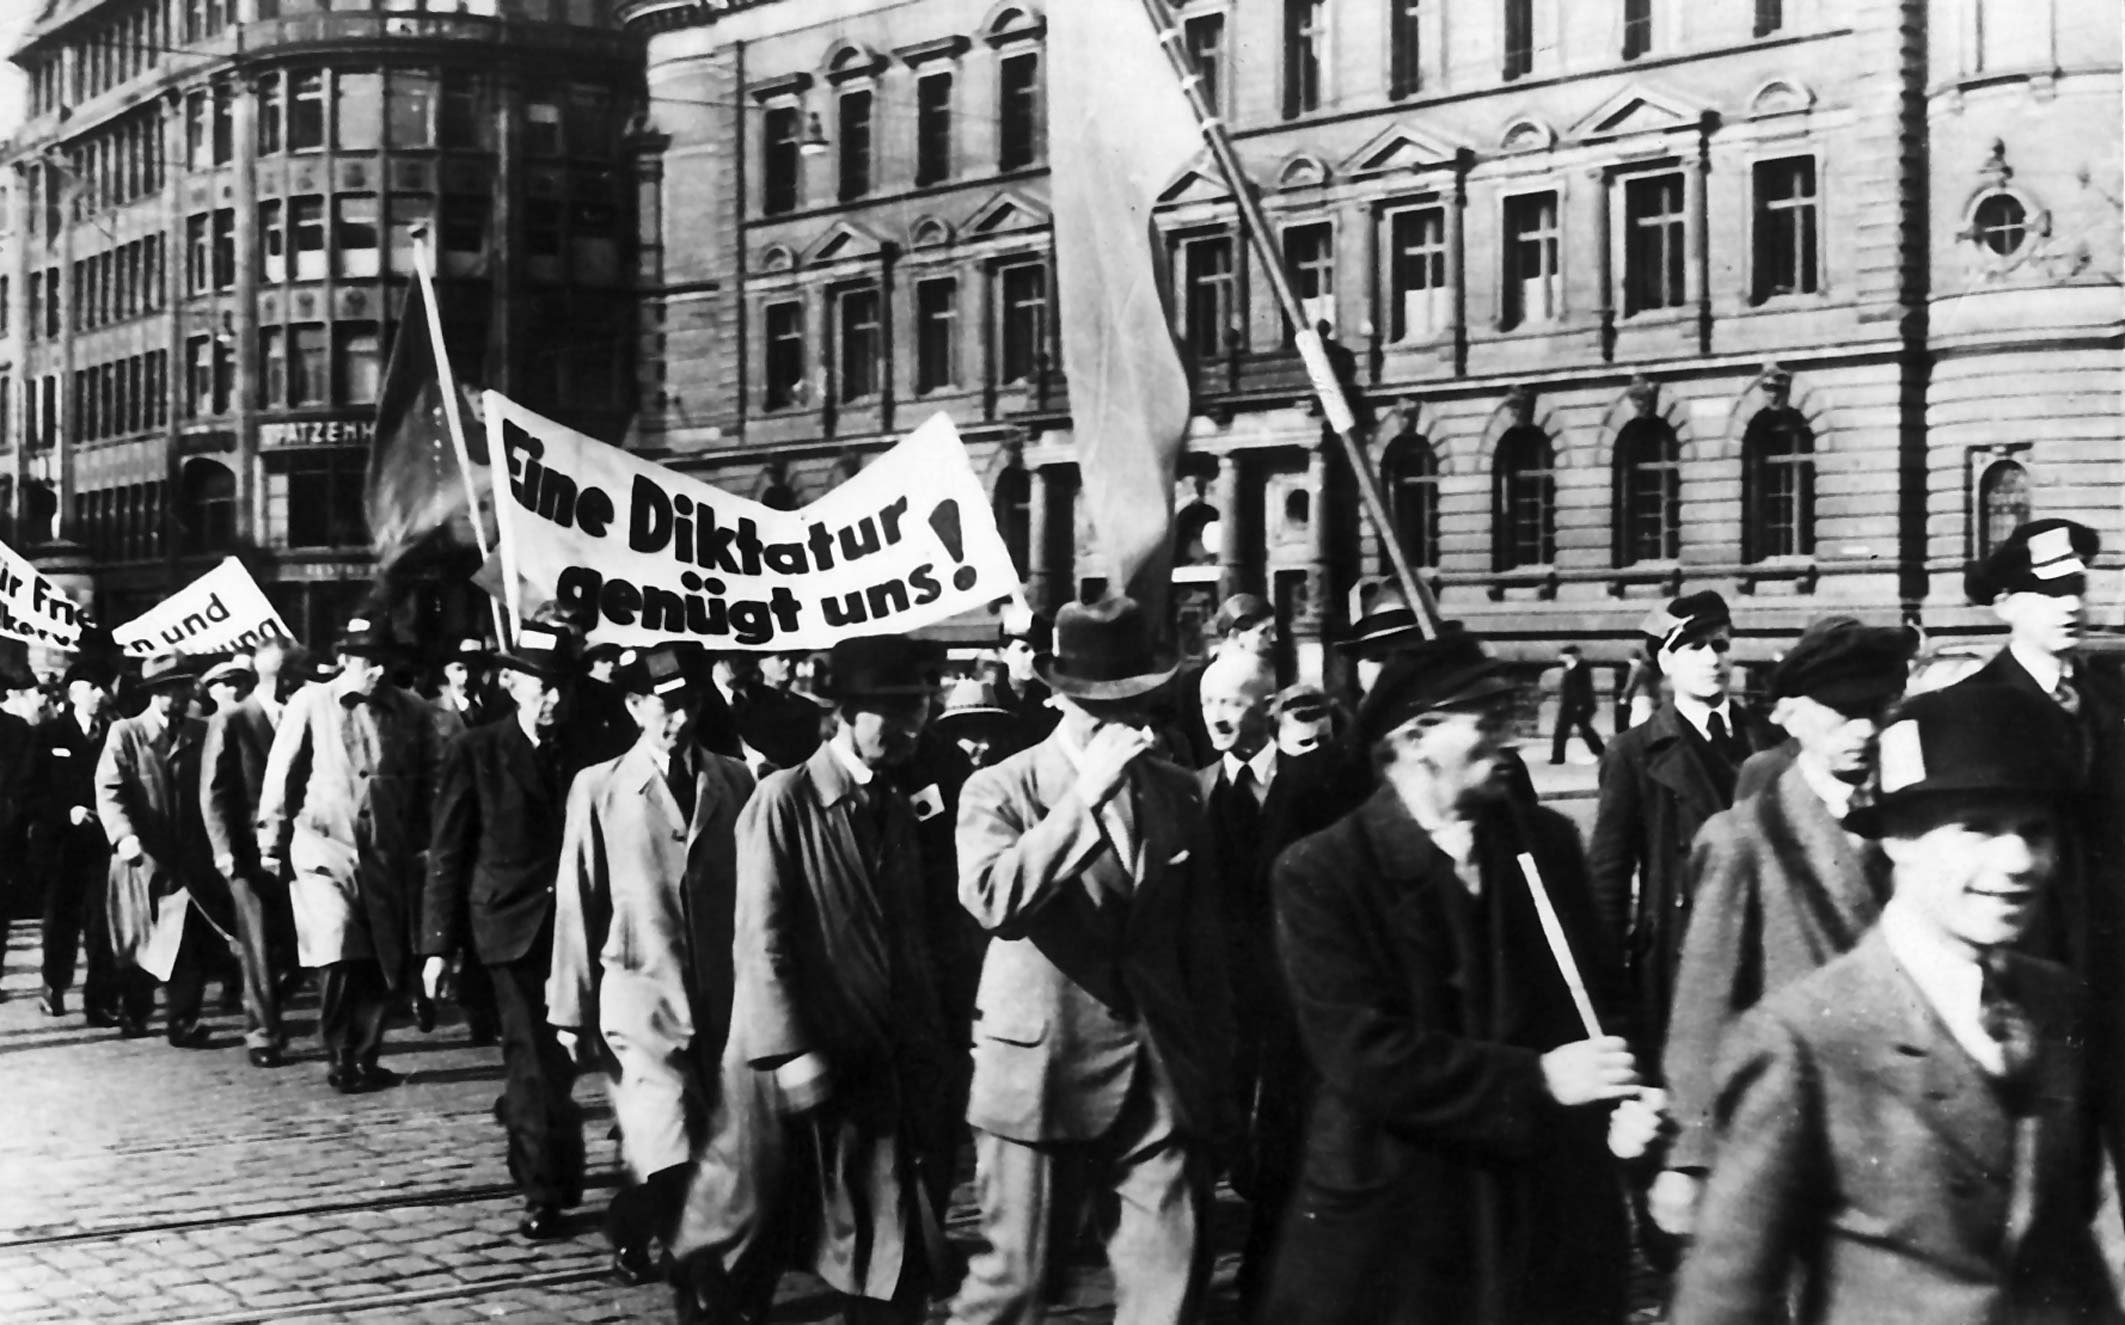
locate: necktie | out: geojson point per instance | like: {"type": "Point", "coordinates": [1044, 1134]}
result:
{"type": "Point", "coordinates": [1722, 739]}
{"type": "Point", "coordinates": [1243, 806]}
{"type": "Point", "coordinates": [2066, 696]}
{"type": "Point", "coordinates": [2004, 1019]}
{"type": "Point", "coordinates": [680, 780]}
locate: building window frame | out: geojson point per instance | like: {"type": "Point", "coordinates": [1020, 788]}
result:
{"type": "Point", "coordinates": [1409, 473]}
{"type": "Point", "coordinates": [933, 126]}
{"type": "Point", "coordinates": [1532, 259]}
{"type": "Point", "coordinates": [1414, 255]}
{"type": "Point", "coordinates": [856, 333]}
{"type": "Point", "coordinates": [1206, 270]}
{"type": "Point", "coordinates": [1405, 48]}
{"type": "Point", "coordinates": [1020, 293]}
{"type": "Point", "coordinates": [2001, 496]}
{"type": "Point", "coordinates": [1786, 232]}
{"type": "Point", "coordinates": [1637, 28]}
{"type": "Point", "coordinates": [1309, 57]}
{"type": "Point", "coordinates": [1207, 36]}
{"type": "Point", "coordinates": [936, 334]}
{"type": "Point", "coordinates": [784, 362]}
{"type": "Point", "coordinates": [1777, 485]}
{"type": "Point", "coordinates": [781, 158]}
{"type": "Point", "coordinates": [1647, 517]}
{"type": "Point", "coordinates": [1653, 240]}
{"type": "Point", "coordinates": [1524, 500]}
{"type": "Point", "coordinates": [1517, 39]}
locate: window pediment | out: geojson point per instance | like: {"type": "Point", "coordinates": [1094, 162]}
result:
{"type": "Point", "coordinates": [1637, 109]}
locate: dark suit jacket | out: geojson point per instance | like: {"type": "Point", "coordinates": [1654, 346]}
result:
{"type": "Point", "coordinates": [18, 766]}
{"type": "Point", "coordinates": [496, 847]}
{"type": "Point", "coordinates": [1440, 1181]}
{"type": "Point", "coordinates": [1863, 1149]}
{"type": "Point", "coordinates": [65, 778]}
{"type": "Point", "coordinates": [232, 770]}
{"type": "Point", "coordinates": [1660, 781]}
{"type": "Point", "coordinates": [1575, 693]}
{"type": "Point", "coordinates": [1779, 888]}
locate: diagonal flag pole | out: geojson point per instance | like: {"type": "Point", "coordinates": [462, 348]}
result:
{"type": "Point", "coordinates": [1335, 407]}
{"type": "Point", "coordinates": [424, 272]}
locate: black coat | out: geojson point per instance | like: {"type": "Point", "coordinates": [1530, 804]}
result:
{"type": "Point", "coordinates": [1660, 782]}
{"type": "Point", "coordinates": [500, 809]}
{"type": "Point", "coordinates": [232, 770]}
{"type": "Point", "coordinates": [1575, 693]}
{"type": "Point", "coordinates": [1440, 1181]}
{"type": "Point", "coordinates": [64, 777]}
{"type": "Point", "coordinates": [18, 764]}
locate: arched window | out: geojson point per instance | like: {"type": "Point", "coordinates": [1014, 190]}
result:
{"type": "Point", "coordinates": [1198, 536]}
{"type": "Point", "coordinates": [1648, 488]}
{"type": "Point", "coordinates": [1013, 504]}
{"type": "Point", "coordinates": [1524, 511]}
{"type": "Point", "coordinates": [209, 506]}
{"type": "Point", "coordinates": [2002, 504]}
{"type": "Point", "coordinates": [1409, 471]}
{"type": "Point", "coordinates": [1777, 486]}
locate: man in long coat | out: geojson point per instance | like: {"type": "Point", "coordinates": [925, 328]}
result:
{"type": "Point", "coordinates": [642, 944]}
{"type": "Point", "coordinates": [493, 861]}
{"type": "Point", "coordinates": [344, 811]}
{"type": "Point", "coordinates": [168, 908]}
{"type": "Point", "coordinates": [1903, 1133]}
{"type": "Point", "coordinates": [232, 772]}
{"type": "Point", "coordinates": [1456, 1166]}
{"type": "Point", "coordinates": [833, 1143]}
{"type": "Point", "coordinates": [1780, 885]}
{"type": "Point", "coordinates": [72, 853]}
{"type": "Point", "coordinates": [22, 709]}
{"type": "Point", "coordinates": [1103, 1022]}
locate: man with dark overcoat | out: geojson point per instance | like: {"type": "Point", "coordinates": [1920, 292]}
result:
{"type": "Point", "coordinates": [22, 709]}
{"type": "Point", "coordinates": [833, 1147]}
{"type": "Point", "coordinates": [73, 854]}
{"type": "Point", "coordinates": [1455, 1161]}
{"type": "Point", "coordinates": [1904, 1134]}
{"type": "Point", "coordinates": [344, 813]}
{"type": "Point", "coordinates": [493, 859]}
{"type": "Point", "coordinates": [1102, 1024]}
{"type": "Point", "coordinates": [169, 910]}
{"type": "Point", "coordinates": [1780, 884]}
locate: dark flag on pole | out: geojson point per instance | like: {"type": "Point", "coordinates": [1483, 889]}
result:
{"type": "Point", "coordinates": [416, 494]}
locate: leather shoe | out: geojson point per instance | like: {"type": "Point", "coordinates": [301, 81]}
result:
{"type": "Point", "coordinates": [376, 1077]}
{"type": "Point", "coordinates": [540, 1222]}
{"type": "Point", "coordinates": [191, 1036]}
{"type": "Point", "coordinates": [132, 1027]}
{"type": "Point", "coordinates": [100, 1018]}
{"type": "Point", "coordinates": [424, 1013]}
{"type": "Point", "coordinates": [345, 1080]}
{"type": "Point", "coordinates": [631, 1267]}
{"type": "Point", "coordinates": [266, 1056]}
{"type": "Point", "coordinates": [53, 1003]}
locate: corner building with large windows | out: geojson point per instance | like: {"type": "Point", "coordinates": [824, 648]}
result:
{"type": "Point", "coordinates": [1807, 302]}
{"type": "Point", "coordinates": [210, 224]}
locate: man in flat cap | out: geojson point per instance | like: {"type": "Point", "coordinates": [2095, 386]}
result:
{"type": "Point", "coordinates": [344, 811]}
{"type": "Point", "coordinates": [1779, 884]}
{"type": "Point", "coordinates": [1903, 1134]}
{"type": "Point", "coordinates": [832, 1146]}
{"type": "Point", "coordinates": [1456, 1164]}
{"type": "Point", "coordinates": [1103, 1026]}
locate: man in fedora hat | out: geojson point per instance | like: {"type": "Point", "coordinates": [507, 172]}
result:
{"type": "Point", "coordinates": [835, 1136]}
{"type": "Point", "coordinates": [232, 771]}
{"type": "Point", "coordinates": [72, 853]}
{"type": "Point", "coordinates": [493, 858]}
{"type": "Point", "coordinates": [974, 719]}
{"type": "Point", "coordinates": [167, 905]}
{"type": "Point", "coordinates": [1779, 885]}
{"type": "Point", "coordinates": [1103, 1023]}
{"type": "Point", "coordinates": [344, 811]}
{"type": "Point", "coordinates": [642, 941]}
{"type": "Point", "coordinates": [1902, 1134]}
{"type": "Point", "coordinates": [1455, 1158]}
{"type": "Point", "coordinates": [226, 683]}
{"type": "Point", "coordinates": [461, 698]}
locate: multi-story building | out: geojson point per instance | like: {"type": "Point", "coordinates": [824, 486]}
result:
{"type": "Point", "coordinates": [1800, 300]}
{"type": "Point", "coordinates": [211, 220]}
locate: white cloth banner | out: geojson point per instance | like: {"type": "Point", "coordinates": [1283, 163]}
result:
{"type": "Point", "coordinates": [222, 611]}
{"type": "Point", "coordinates": [31, 606]}
{"type": "Point", "coordinates": [656, 555]}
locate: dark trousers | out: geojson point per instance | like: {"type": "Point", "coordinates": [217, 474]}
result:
{"type": "Point", "coordinates": [257, 898]}
{"type": "Point", "coordinates": [1567, 723]}
{"type": "Point", "coordinates": [76, 902]}
{"type": "Point", "coordinates": [352, 1010]}
{"type": "Point", "coordinates": [184, 993]}
{"type": "Point", "coordinates": [479, 999]}
{"type": "Point", "coordinates": [545, 1128]}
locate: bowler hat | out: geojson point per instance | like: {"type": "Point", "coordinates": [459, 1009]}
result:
{"type": "Point", "coordinates": [1992, 741]}
{"type": "Point", "coordinates": [1104, 651]}
{"type": "Point", "coordinates": [658, 669]}
{"type": "Point", "coordinates": [16, 675]}
{"type": "Point", "coordinates": [1844, 663]}
{"type": "Point", "coordinates": [166, 671]}
{"type": "Point", "coordinates": [1450, 672]}
{"type": "Point", "coordinates": [971, 707]}
{"type": "Point", "coordinates": [2048, 556]}
{"type": "Point", "coordinates": [1684, 620]}
{"type": "Point", "coordinates": [1381, 619]}
{"type": "Point", "coordinates": [365, 638]}
{"type": "Point", "coordinates": [880, 667]}
{"type": "Point", "coordinates": [1240, 612]}
{"type": "Point", "coordinates": [92, 670]}
{"type": "Point", "coordinates": [540, 648]}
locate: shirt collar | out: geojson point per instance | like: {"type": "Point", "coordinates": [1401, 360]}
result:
{"type": "Point", "coordinates": [1950, 980]}
{"type": "Point", "coordinates": [859, 772]}
{"type": "Point", "coordinates": [1263, 764]}
{"type": "Point", "coordinates": [2044, 668]}
{"type": "Point", "coordinates": [528, 723]}
{"type": "Point", "coordinates": [1699, 714]}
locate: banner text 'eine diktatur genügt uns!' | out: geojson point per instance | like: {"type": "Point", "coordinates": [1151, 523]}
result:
{"type": "Point", "coordinates": [907, 541]}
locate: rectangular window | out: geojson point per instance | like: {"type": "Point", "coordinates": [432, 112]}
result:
{"type": "Point", "coordinates": [308, 366]}
{"type": "Point", "coordinates": [1770, 16]}
{"type": "Point", "coordinates": [138, 407]}
{"type": "Point", "coordinates": [197, 253]}
{"type": "Point", "coordinates": [50, 435]}
{"type": "Point", "coordinates": [358, 110]}
{"type": "Point", "coordinates": [1205, 35]}
{"type": "Point", "coordinates": [198, 107]}
{"type": "Point", "coordinates": [269, 128]}
{"type": "Point", "coordinates": [1519, 38]}
{"type": "Point", "coordinates": [785, 355]}
{"type": "Point", "coordinates": [933, 128]}
{"type": "Point", "coordinates": [409, 212]}
{"type": "Point", "coordinates": [272, 367]}
{"type": "Point", "coordinates": [1305, 54]}
{"type": "Point", "coordinates": [308, 223]}
{"type": "Point", "coordinates": [318, 496]}
{"type": "Point", "coordinates": [857, 351]}
{"type": "Point", "coordinates": [1209, 296]}
{"type": "Point", "coordinates": [224, 248]}
{"type": "Point", "coordinates": [936, 334]}
{"type": "Point", "coordinates": [464, 227]}
{"type": "Point", "coordinates": [224, 124]}
{"type": "Point", "coordinates": [1404, 47]}
{"type": "Point", "coordinates": [306, 111]}
{"type": "Point", "coordinates": [1021, 322]}
{"type": "Point", "coordinates": [156, 384]}
{"type": "Point", "coordinates": [855, 143]}
{"type": "Point", "coordinates": [1310, 255]}
{"type": "Point", "coordinates": [199, 375]}
{"type": "Point", "coordinates": [1785, 256]}
{"type": "Point", "coordinates": [1018, 111]}
{"type": "Point", "coordinates": [224, 373]}
{"type": "Point", "coordinates": [1653, 234]}
{"type": "Point", "coordinates": [358, 363]}
{"type": "Point", "coordinates": [458, 122]}
{"type": "Point", "coordinates": [780, 161]}
{"type": "Point", "coordinates": [1530, 290]}
{"type": "Point", "coordinates": [272, 243]}
{"type": "Point", "coordinates": [1637, 28]}
{"type": "Point", "coordinates": [593, 229]}
{"type": "Point", "coordinates": [52, 296]}
{"type": "Point", "coordinates": [36, 304]}
{"type": "Point", "coordinates": [411, 108]}
{"type": "Point", "coordinates": [354, 234]}
{"type": "Point", "coordinates": [542, 128]}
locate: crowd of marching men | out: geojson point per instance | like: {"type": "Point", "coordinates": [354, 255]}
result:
{"type": "Point", "coordinates": [1821, 1023]}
